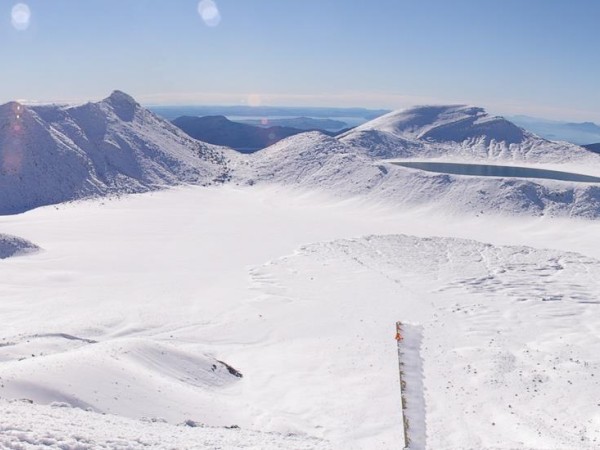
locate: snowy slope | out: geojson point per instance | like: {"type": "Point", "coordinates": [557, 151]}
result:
{"type": "Point", "coordinates": [299, 159]}
{"type": "Point", "coordinates": [315, 161]}
{"type": "Point", "coordinates": [355, 164]}
{"type": "Point", "coordinates": [27, 426]}
{"type": "Point", "coordinates": [267, 309]}
{"type": "Point", "coordinates": [457, 132]}
{"type": "Point", "coordinates": [507, 334]}
{"type": "Point", "coordinates": [133, 300]}
{"type": "Point", "coordinates": [51, 154]}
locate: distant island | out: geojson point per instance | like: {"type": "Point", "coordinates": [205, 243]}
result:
{"type": "Point", "coordinates": [302, 123]}
{"type": "Point", "coordinates": [576, 133]}
{"type": "Point", "coordinates": [256, 112]}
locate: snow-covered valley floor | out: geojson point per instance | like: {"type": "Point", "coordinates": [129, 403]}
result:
{"type": "Point", "coordinates": [152, 306]}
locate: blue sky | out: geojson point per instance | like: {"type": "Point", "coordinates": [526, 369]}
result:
{"type": "Point", "coordinates": [536, 57]}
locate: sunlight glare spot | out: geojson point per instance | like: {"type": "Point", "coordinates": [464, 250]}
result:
{"type": "Point", "coordinates": [254, 100]}
{"type": "Point", "coordinates": [209, 12]}
{"type": "Point", "coordinates": [12, 163]}
{"type": "Point", "coordinates": [20, 16]}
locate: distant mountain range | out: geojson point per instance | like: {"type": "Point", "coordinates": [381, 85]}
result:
{"type": "Point", "coordinates": [52, 154]}
{"type": "Point", "coordinates": [243, 137]}
{"type": "Point", "coordinates": [576, 133]}
{"type": "Point", "coordinates": [249, 112]}
{"type": "Point", "coordinates": [302, 123]}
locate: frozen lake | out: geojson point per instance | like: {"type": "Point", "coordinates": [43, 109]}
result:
{"type": "Point", "coordinates": [489, 170]}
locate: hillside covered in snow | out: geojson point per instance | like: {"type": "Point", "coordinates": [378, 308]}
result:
{"type": "Point", "coordinates": [51, 154]}
{"type": "Point", "coordinates": [253, 304]}
{"type": "Point", "coordinates": [453, 132]}
{"type": "Point", "coordinates": [362, 163]}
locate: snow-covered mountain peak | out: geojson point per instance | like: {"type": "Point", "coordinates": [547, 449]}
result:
{"type": "Point", "coordinates": [451, 123]}
{"type": "Point", "coordinates": [12, 111]}
{"type": "Point", "coordinates": [13, 106]}
{"type": "Point", "coordinates": [122, 104]}
{"type": "Point", "coordinates": [457, 132]}
{"type": "Point", "coordinates": [121, 97]}
{"type": "Point", "coordinates": [53, 153]}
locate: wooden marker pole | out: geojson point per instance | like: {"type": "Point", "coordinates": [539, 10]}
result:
{"type": "Point", "coordinates": [399, 340]}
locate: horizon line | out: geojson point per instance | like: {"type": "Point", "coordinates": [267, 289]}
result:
{"type": "Point", "coordinates": [505, 108]}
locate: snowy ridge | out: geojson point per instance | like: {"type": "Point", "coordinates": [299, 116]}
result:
{"type": "Point", "coordinates": [51, 154]}
{"type": "Point", "coordinates": [350, 166]}
{"type": "Point", "coordinates": [14, 246]}
{"type": "Point", "coordinates": [458, 132]}
{"type": "Point", "coordinates": [316, 161]}
{"type": "Point", "coordinates": [446, 123]}
{"type": "Point", "coordinates": [299, 159]}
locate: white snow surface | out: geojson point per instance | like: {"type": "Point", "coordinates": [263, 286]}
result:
{"type": "Point", "coordinates": [273, 306]}
{"type": "Point", "coordinates": [134, 300]}
{"type": "Point", "coordinates": [27, 426]}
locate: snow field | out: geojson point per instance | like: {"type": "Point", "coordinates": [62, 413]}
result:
{"type": "Point", "coordinates": [133, 301]}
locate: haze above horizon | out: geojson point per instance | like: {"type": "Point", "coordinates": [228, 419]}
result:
{"type": "Point", "coordinates": [511, 57]}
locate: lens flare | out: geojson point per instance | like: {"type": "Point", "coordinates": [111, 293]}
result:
{"type": "Point", "coordinates": [20, 16]}
{"type": "Point", "coordinates": [209, 12]}
{"type": "Point", "coordinates": [254, 100]}
{"type": "Point", "coordinates": [12, 143]}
